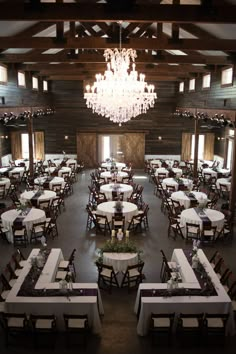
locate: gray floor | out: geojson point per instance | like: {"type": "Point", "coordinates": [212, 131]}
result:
{"type": "Point", "coordinates": [119, 322]}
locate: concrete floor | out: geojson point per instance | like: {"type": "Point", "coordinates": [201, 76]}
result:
{"type": "Point", "coordinates": [119, 322]}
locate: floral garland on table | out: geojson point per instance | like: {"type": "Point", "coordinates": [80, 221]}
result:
{"type": "Point", "coordinates": [118, 247]}
{"type": "Point", "coordinates": [179, 180]}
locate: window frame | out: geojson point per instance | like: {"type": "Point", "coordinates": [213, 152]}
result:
{"type": "Point", "coordinates": [194, 89]}
{"type": "Point", "coordinates": [206, 87]}
{"type": "Point", "coordinates": [183, 84]}
{"type": "Point", "coordinates": [21, 72]}
{"type": "Point", "coordinates": [34, 88]}
{"type": "Point", "coordinates": [6, 68]}
{"type": "Point", "coordinates": [232, 81]}
{"type": "Point", "coordinates": [43, 86]}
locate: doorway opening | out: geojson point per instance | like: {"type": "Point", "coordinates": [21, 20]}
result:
{"type": "Point", "coordinates": [111, 147]}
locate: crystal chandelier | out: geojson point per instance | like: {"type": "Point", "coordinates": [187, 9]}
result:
{"type": "Point", "coordinates": [120, 94]}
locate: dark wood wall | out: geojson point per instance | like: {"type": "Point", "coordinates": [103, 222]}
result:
{"type": "Point", "coordinates": [13, 96]}
{"type": "Point", "coordinates": [73, 116]}
{"type": "Point", "coordinates": [217, 97]}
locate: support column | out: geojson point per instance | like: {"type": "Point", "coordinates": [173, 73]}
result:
{"type": "Point", "coordinates": [31, 153]}
{"type": "Point", "coordinates": [233, 179]}
{"type": "Point", "coordinates": [196, 134]}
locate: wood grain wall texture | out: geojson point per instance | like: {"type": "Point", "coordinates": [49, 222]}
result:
{"type": "Point", "coordinates": [72, 115]}
{"type": "Point", "coordinates": [217, 97]}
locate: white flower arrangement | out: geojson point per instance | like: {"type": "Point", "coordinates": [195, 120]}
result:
{"type": "Point", "coordinates": [196, 245]}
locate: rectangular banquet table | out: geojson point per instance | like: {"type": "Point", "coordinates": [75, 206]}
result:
{"type": "Point", "coordinates": [58, 305]}
{"type": "Point", "coordinates": [220, 303]}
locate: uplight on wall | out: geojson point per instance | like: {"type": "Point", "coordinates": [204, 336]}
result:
{"type": "Point", "coordinates": [159, 137]}
{"type": "Point", "coordinates": [66, 137]}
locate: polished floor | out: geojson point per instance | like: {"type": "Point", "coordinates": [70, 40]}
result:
{"type": "Point", "coordinates": [119, 322]}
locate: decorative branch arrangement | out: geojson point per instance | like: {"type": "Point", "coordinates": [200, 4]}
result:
{"type": "Point", "coordinates": [5, 118]}
{"type": "Point", "coordinates": [220, 120]}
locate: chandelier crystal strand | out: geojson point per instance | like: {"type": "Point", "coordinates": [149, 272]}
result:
{"type": "Point", "coordinates": [120, 94]}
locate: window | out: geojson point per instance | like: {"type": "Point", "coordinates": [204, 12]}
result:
{"type": "Point", "coordinates": [181, 86]}
{"type": "Point", "coordinates": [229, 154]}
{"type": "Point", "coordinates": [227, 76]}
{"type": "Point", "coordinates": [35, 83]}
{"type": "Point", "coordinates": [201, 144]}
{"type": "Point", "coordinates": [3, 74]}
{"type": "Point", "coordinates": [106, 148]}
{"type": "Point", "coordinates": [206, 81]}
{"type": "Point", "coordinates": [192, 85]}
{"type": "Point", "coordinates": [45, 85]}
{"type": "Point", "coordinates": [21, 79]}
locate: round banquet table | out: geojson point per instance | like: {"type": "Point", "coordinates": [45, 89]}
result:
{"type": "Point", "coordinates": [120, 175]}
{"type": "Point", "coordinates": [108, 209]}
{"type": "Point", "coordinates": [5, 182]}
{"type": "Point", "coordinates": [120, 261]}
{"type": "Point", "coordinates": [16, 170]}
{"type": "Point", "coordinates": [47, 195]}
{"type": "Point", "coordinates": [108, 165]}
{"type": "Point", "coordinates": [123, 188]}
{"type": "Point", "coordinates": [223, 181]}
{"type": "Point", "coordinates": [55, 180]}
{"type": "Point", "coordinates": [171, 182]}
{"type": "Point", "coordinates": [177, 171]}
{"type": "Point", "coordinates": [34, 216]}
{"type": "Point", "coordinates": [223, 171]}
{"type": "Point", "coordinates": [63, 169]}
{"type": "Point", "coordinates": [210, 171]}
{"type": "Point", "coordinates": [186, 202]}
{"type": "Point", "coordinates": [190, 216]}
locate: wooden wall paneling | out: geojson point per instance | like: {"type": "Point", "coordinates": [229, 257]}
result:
{"type": "Point", "coordinates": [135, 149]}
{"type": "Point", "coordinates": [87, 148]}
{"type": "Point", "coordinates": [16, 145]}
{"type": "Point", "coordinates": [186, 146]}
{"type": "Point", "coordinates": [209, 146]}
{"type": "Point", "coordinates": [39, 145]}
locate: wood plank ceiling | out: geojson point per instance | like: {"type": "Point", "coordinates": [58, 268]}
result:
{"type": "Point", "coordinates": [65, 40]}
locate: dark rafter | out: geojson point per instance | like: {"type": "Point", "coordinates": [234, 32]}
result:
{"type": "Point", "coordinates": [103, 13]}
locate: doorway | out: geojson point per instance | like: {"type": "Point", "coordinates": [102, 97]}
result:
{"type": "Point", "coordinates": [110, 146]}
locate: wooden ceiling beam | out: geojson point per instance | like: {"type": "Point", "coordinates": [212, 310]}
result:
{"type": "Point", "coordinates": [89, 77]}
{"type": "Point", "coordinates": [62, 57]}
{"type": "Point", "coordinates": [103, 13]}
{"type": "Point", "coordinates": [98, 67]}
{"type": "Point", "coordinates": [142, 43]}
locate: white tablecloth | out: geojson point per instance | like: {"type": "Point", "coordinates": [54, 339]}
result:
{"type": "Point", "coordinates": [68, 162]}
{"type": "Point", "coordinates": [5, 182]}
{"type": "Point", "coordinates": [108, 165]}
{"type": "Point", "coordinates": [120, 261]}
{"type": "Point", "coordinates": [64, 169]}
{"type": "Point", "coordinates": [223, 181]}
{"type": "Point", "coordinates": [55, 180]}
{"type": "Point", "coordinates": [223, 171]}
{"type": "Point", "coordinates": [120, 175]}
{"type": "Point", "coordinates": [221, 303]}
{"type": "Point", "coordinates": [123, 188]}
{"type": "Point", "coordinates": [186, 202]}
{"type": "Point", "coordinates": [90, 305]}
{"type": "Point", "coordinates": [34, 216]}
{"type": "Point", "coordinates": [14, 170]}
{"type": "Point", "coordinates": [171, 182]}
{"type": "Point", "coordinates": [177, 171]}
{"type": "Point", "coordinates": [108, 209]}
{"type": "Point", "coordinates": [190, 215]}
{"type": "Point", "coordinates": [210, 171]}
{"type": "Point", "coordinates": [47, 195]}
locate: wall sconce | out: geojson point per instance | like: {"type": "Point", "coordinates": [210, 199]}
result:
{"type": "Point", "coordinates": [159, 137]}
{"type": "Point", "coordinates": [66, 137]}
{"type": "Point", "coordinates": [6, 136]}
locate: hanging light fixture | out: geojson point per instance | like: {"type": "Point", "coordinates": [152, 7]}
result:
{"type": "Point", "coordinates": [120, 94]}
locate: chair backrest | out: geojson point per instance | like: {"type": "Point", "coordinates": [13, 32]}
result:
{"type": "Point", "coordinates": [75, 321]}
{"type": "Point", "coordinates": [72, 256]}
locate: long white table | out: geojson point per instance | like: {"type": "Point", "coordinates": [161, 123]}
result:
{"type": "Point", "coordinates": [220, 303]}
{"type": "Point", "coordinates": [58, 305]}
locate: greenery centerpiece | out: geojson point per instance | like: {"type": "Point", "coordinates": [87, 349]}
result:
{"type": "Point", "coordinates": [115, 246]}
{"type": "Point", "coordinates": [179, 180]}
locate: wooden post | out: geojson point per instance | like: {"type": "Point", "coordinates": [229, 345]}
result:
{"type": "Point", "coordinates": [233, 179]}
{"type": "Point", "coordinates": [31, 153]}
{"type": "Point", "coordinates": [196, 133]}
